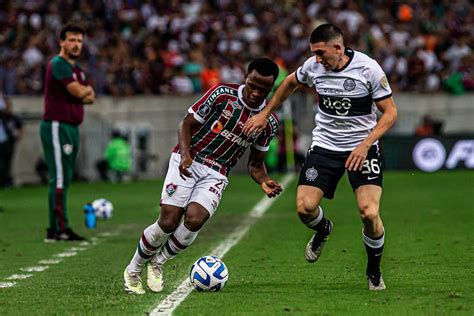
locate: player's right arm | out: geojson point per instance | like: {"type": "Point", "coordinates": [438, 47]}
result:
{"type": "Point", "coordinates": [287, 87]}
{"type": "Point", "coordinates": [185, 128]}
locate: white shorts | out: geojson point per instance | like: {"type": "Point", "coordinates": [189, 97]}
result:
{"type": "Point", "coordinates": [205, 187]}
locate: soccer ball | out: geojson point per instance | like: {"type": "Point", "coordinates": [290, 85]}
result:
{"type": "Point", "coordinates": [208, 274]}
{"type": "Point", "coordinates": [103, 208]}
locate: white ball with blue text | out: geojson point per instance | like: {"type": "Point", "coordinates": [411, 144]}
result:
{"type": "Point", "coordinates": [103, 208]}
{"type": "Point", "coordinates": [209, 274]}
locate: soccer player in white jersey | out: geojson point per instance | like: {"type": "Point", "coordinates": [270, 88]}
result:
{"type": "Point", "coordinates": [351, 86]}
{"type": "Point", "coordinates": [210, 142]}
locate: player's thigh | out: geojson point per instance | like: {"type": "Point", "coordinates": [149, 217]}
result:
{"type": "Point", "coordinates": [170, 217]}
{"type": "Point", "coordinates": [308, 198]}
{"type": "Point", "coordinates": [322, 169]}
{"type": "Point", "coordinates": [176, 190]}
{"type": "Point", "coordinates": [209, 189]}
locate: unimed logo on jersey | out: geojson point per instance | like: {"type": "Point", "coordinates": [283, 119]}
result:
{"type": "Point", "coordinates": [217, 127]}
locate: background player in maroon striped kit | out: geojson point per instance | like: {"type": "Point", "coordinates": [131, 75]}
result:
{"type": "Point", "coordinates": [66, 91]}
{"type": "Point", "coordinates": [210, 143]}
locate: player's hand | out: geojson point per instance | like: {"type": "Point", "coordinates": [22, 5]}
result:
{"type": "Point", "coordinates": [185, 163]}
{"type": "Point", "coordinates": [271, 188]}
{"type": "Point", "coordinates": [357, 157]}
{"type": "Point", "coordinates": [255, 124]}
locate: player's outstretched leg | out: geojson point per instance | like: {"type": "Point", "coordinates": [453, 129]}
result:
{"type": "Point", "coordinates": [152, 239]}
{"type": "Point", "coordinates": [323, 228]}
{"type": "Point", "coordinates": [374, 248]}
{"type": "Point", "coordinates": [179, 240]}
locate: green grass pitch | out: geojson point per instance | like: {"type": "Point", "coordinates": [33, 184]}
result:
{"type": "Point", "coordinates": [427, 263]}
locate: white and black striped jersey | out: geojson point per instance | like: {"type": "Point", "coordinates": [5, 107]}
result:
{"type": "Point", "coordinates": [346, 110]}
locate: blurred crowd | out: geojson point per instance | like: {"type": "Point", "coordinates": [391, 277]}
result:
{"type": "Point", "coordinates": [185, 46]}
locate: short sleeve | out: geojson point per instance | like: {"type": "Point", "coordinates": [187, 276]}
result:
{"type": "Point", "coordinates": [202, 108]}
{"type": "Point", "coordinates": [304, 73]}
{"type": "Point", "coordinates": [62, 71]}
{"type": "Point", "coordinates": [263, 140]}
{"type": "Point", "coordinates": [380, 88]}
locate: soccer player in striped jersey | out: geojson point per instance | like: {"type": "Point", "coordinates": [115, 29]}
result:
{"type": "Point", "coordinates": [350, 86]}
{"type": "Point", "coordinates": [210, 143]}
{"type": "Point", "coordinates": [66, 91]}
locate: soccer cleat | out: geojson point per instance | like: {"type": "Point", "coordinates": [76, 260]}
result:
{"type": "Point", "coordinates": [316, 244]}
{"type": "Point", "coordinates": [69, 235]}
{"type": "Point", "coordinates": [133, 282]}
{"type": "Point", "coordinates": [375, 282]}
{"type": "Point", "coordinates": [154, 278]}
{"type": "Point", "coordinates": [51, 236]}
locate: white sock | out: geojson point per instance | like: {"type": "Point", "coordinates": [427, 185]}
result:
{"type": "Point", "coordinates": [179, 240]}
{"type": "Point", "coordinates": [153, 237]}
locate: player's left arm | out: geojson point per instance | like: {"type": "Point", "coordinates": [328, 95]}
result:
{"type": "Point", "coordinates": [258, 172]}
{"type": "Point", "coordinates": [389, 116]}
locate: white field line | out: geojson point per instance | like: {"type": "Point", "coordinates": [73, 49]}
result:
{"type": "Point", "coordinates": [19, 276]}
{"type": "Point", "coordinates": [172, 301]}
{"type": "Point", "coordinates": [56, 259]}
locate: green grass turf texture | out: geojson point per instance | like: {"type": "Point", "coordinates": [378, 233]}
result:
{"type": "Point", "coordinates": [427, 262]}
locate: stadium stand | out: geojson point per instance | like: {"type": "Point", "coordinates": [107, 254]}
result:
{"type": "Point", "coordinates": [141, 47]}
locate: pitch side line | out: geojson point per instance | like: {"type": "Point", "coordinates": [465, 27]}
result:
{"type": "Point", "coordinates": [172, 301]}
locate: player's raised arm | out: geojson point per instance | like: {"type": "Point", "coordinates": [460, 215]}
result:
{"type": "Point", "coordinates": [185, 128]}
{"type": "Point", "coordinates": [258, 172]}
{"type": "Point", "coordinates": [258, 122]}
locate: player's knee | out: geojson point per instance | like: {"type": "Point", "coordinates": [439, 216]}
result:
{"type": "Point", "coordinates": [368, 212]}
{"type": "Point", "coordinates": [168, 224]}
{"type": "Point", "coordinates": [194, 223]}
{"type": "Point", "coordinates": [304, 207]}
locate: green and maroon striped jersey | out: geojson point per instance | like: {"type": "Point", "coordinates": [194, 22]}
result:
{"type": "Point", "coordinates": [59, 104]}
{"type": "Point", "coordinates": [219, 142]}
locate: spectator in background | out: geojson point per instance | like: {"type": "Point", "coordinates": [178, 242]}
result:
{"type": "Point", "coordinates": [180, 83]}
{"type": "Point", "coordinates": [11, 129]}
{"type": "Point", "coordinates": [193, 68]}
{"type": "Point", "coordinates": [210, 76]}
{"type": "Point", "coordinates": [429, 127]}
{"type": "Point", "coordinates": [117, 158]}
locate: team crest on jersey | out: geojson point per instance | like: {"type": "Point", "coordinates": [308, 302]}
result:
{"type": "Point", "coordinates": [204, 110]}
{"type": "Point", "coordinates": [217, 127]}
{"type": "Point", "coordinates": [236, 105]}
{"type": "Point", "coordinates": [349, 84]}
{"type": "Point", "coordinates": [227, 114]}
{"type": "Point", "coordinates": [311, 174]}
{"type": "Point", "coordinates": [171, 189]}
{"type": "Point", "coordinates": [67, 148]}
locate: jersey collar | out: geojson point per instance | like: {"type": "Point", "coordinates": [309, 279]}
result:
{"type": "Point", "coordinates": [241, 100]}
{"type": "Point", "coordinates": [348, 52]}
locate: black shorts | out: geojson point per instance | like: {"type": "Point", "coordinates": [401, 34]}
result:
{"type": "Point", "coordinates": [324, 168]}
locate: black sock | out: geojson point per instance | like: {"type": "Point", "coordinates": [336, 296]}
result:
{"type": "Point", "coordinates": [374, 256]}
{"type": "Point", "coordinates": [322, 226]}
